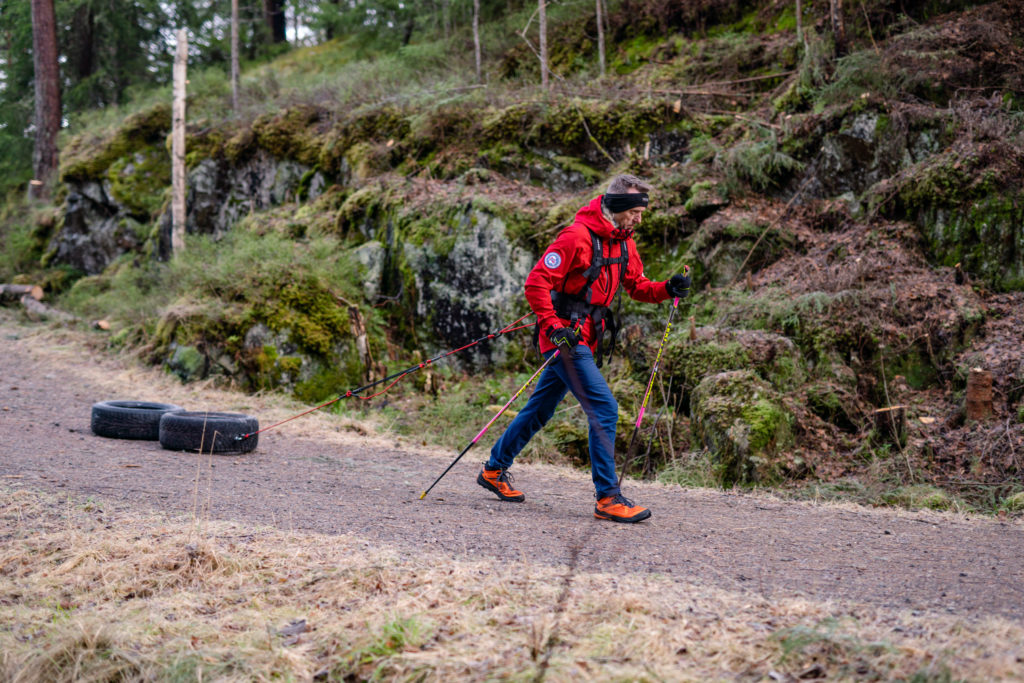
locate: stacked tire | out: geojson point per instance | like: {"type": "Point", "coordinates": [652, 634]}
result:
{"type": "Point", "coordinates": [130, 419]}
{"type": "Point", "coordinates": [207, 432]}
{"type": "Point", "coordinates": [176, 428]}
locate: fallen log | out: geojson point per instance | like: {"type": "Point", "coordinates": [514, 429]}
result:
{"type": "Point", "coordinates": [12, 293]}
{"type": "Point", "coordinates": [37, 310]}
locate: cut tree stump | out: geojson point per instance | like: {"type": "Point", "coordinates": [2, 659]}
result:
{"type": "Point", "coordinates": [13, 293]}
{"type": "Point", "coordinates": [891, 425]}
{"type": "Point", "coordinates": [979, 394]}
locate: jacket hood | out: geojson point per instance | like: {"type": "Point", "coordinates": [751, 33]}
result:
{"type": "Point", "coordinates": [592, 217]}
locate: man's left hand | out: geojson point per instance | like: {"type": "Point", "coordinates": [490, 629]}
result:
{"type": "Point", "coordinates": [679, 285]}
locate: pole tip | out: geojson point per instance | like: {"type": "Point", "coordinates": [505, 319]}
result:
{"type": "Point", "coordinates": [423, 495]}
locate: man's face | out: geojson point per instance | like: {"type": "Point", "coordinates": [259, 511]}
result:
{"type": "Point", "coordinates": [629, 219]}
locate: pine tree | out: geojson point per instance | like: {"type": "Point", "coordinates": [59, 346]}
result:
{"type": "Point", "coordinates": [47, 95]}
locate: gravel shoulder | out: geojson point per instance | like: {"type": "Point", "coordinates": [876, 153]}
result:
{"type": "Point", "coordinates": [326, 475]}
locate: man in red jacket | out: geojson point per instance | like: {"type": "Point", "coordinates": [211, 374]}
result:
{"type": "Point", "coordinates": [570, 289]}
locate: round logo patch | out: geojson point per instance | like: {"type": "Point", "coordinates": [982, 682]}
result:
{"type": "Point", "coordinates": [552, 260]}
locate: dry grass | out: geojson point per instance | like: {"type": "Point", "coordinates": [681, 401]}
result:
{"type": "Point", "coordinates": [90, 592]}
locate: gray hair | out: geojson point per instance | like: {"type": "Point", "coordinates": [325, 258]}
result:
{"type": "Point", "coordinates": [620, 184]}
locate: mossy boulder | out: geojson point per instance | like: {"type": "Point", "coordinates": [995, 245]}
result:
{"type": "Point", "coordinates": [187, 362]}
{"type": "Point", "coordinates": [774, 358]}
{"type": "Point", "coordinates": [863, 151]}
{"type": "Point", "coordinates": [87, 157]}
{"type": "Point", "coordinates": [745, 426]}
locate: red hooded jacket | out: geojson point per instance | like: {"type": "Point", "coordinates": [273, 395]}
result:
{"type": "Point", "coordinates": [566, 259]}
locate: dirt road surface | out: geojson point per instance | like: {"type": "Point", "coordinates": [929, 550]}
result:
{"type": "Point", "coordinates": [317, 474]}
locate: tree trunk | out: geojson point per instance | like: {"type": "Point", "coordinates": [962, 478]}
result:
{"type": "Point", "coordinates": [838, 26]}
{"type": "Point", "coordinates": [476, 40]}
{"type": "Point", "coordinates": [446, 17]}
{"type": "Point", "coordinates": [235, 70]}
{"type": "Point", "coordinates": [81, 57]}
{"type": "Point", "coordinates": [542, 19]}
{"type": "Point", "coordinates": [178, 146]}
{"type": "Point", "coordinates": [47, 91]}
{"type": "Point", "coordinates": [600, 36]}
{"type": "Point", "coordinates": [273, 15]}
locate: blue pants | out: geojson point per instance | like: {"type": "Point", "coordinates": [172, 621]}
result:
{"type": "Point", "coordinates": [580, 375]}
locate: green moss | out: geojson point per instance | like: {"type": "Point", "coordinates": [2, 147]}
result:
{"type": "Point", "coordinates": [983, 235]}
{"type": "Point", "coordinates": [743, 423]}
{"type": "Point", "coordinates": [140, 180]}
{"type": "Point", "coordinates": [309, 311]}
{"type": "Point", "coordinates": [87, 157]}
{"type": "Point", "coordinates": [240, 145]}
{"type": "Point", "coordinates": [769, 424]}
{"type": "Point", "coordinates": [187, 362]}
{"type": "Point", "coordinates": [290, 134]}
{"type": "Point", "coordinates": [690, 362]}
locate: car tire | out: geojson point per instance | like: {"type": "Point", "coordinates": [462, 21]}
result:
{"type": "Point", "coordinates": [130, 419]}
{"type": "Point", "coordinates": [208, 432]}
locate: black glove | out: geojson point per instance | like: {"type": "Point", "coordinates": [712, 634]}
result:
{"type": "Point", "coordinates": [679, 285]}
{"type": "Point", "coordinates": [564, 338]}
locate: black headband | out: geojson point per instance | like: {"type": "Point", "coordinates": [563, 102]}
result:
{"type": "Point", "coordinates": [617, 203]}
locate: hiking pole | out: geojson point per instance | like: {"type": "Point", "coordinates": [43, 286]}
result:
{"type": "Point", "coordinates": [650, 385]}
{"type": "Point", "coordinates": [488, 425]}
{"type": "Point", "coordinates": [354, 393]}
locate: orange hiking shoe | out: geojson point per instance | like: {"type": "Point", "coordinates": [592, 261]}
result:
{"type": "Point", "coordinates": [618, 508]}
{"type": "Point", "coordinates": [498, 481]}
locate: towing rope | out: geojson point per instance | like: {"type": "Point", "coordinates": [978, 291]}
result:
{"type": "Point", "coordinates": [396, 377]}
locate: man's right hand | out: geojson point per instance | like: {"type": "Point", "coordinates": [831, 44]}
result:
{"type": "Point", "coordinates": [564, 338]}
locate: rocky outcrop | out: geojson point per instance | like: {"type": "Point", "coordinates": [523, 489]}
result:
{"type": "Point", "coordinates": [96, 230]}
{"type": "Point", "coordinates": [468, 290]}
{"type": "Point", "coordinates": [219, 193]}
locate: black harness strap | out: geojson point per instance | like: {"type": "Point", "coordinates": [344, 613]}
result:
{"type": "Point", "coordinates": [575, 307]}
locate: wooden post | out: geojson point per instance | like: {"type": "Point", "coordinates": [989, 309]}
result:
{"type": "Point", "coordinates": [234, 56]}
{"type": "Point", "coordinates": [891, 425]}
{"type": "Point", "coordinates": [178, 146]}
{"type": "Point", "coordinates": [979, 394]}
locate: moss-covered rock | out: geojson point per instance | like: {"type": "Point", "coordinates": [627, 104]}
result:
{"type": "Point", "coordinates": [775, 359]}
{"type": "Point", "coordinates": [88, 157]}
{"type": "Point", "coordinates": [139, 181]}
{"type": "Point", "coordinates": [745, 426]}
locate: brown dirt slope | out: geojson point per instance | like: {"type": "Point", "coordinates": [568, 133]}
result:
{"type": "Point", "coordinates": [319, 474]}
